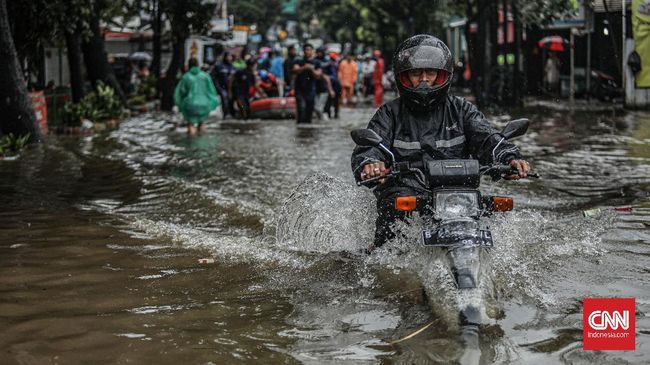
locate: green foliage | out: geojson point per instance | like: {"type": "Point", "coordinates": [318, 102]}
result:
{"type": "Point", "coordinates": [385, 23]}
{"type": "Point", "coordinates": [11, 144]}
{"type": "Point", "coordinates": [542, 12]}
{"type": "Point", "coordinates": [40, 22]}
{"type": "Point", "coordinates": [264, 13]}
{"type": "Point", "coordinates": [44, 23]}
{"type": "Point", "coordinates": [187, 17]}
{"type": "Point", "coordinates": [136, 100]}
{"type": "Point", "coordinates": [72, 113]}
{"type": "Point", "coordinates": [145, 91]}
{"type": "Point", "coordinates": [147, 88]}
{"type": "Point", "coordinates": [106, 101]}
{"type": "Point", "coordinates": [99, 105]}
{"type": "Point", "coordinates": [380, 23]}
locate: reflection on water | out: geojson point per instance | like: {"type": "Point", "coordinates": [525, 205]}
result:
{"type": "Point", "coordinates": [101, 235]}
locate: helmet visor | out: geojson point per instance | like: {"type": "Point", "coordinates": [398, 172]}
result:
{"type": "Point", "coordinates": [422, 56]}
{"type": "Point", "coordinates": [440, 79]}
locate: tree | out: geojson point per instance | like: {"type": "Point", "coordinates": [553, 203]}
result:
{"type": "Point", "coordinates": [75, 62]}
{"type": "Point", "coordinates": [157, 37]}
{"type": "Point", "coordinates": [65, 24]}
{"type": "Point", "coordinates": [74, 23]}
{"type": "Point", "coordinates": [93, 47]}
{"type": "Point", "coordinates": [28, 31]}
{"type": "Point", "coordinates": [70, 23]}
{"type": "Point", "coordinates": [15, 105]}
{"type": "Point", "coordinates": [263, 13]}
{"type": "Point", "coordinates": [380, 24]}
{"type": "Point", "coordinates": [187, 17]}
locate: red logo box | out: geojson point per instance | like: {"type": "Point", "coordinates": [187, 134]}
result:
{"type": "Point", "coordinates": [608, 324]}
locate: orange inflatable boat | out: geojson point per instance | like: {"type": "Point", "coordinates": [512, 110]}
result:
{"type": "Point", "coordinates": [274, 108]}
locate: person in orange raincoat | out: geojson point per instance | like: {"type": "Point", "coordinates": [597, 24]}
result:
{"type": "Point", "coordinates": [347, 76]}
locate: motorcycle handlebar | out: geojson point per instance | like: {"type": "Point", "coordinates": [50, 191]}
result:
{"type": "Point", "coordinates": [372, 180]}
{"type": "Point", "coordinates": [509, 170]}
{"type": "Point", "coordinates": [499, 169]}
{"type": "Point", "coordinates": [368, 181]}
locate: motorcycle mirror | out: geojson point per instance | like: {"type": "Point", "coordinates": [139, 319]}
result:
{"type": "Point", "coordinates": [365, 137]}
{"type": "Point", "coordinates": [515, 128]}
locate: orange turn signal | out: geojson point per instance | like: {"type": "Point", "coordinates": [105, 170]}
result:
{"type": "Point", "coordinates": [405, 203]}
{"type": "Point", "coordinates": [502, 203]}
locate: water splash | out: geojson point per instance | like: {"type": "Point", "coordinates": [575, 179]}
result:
{"type": "Point", "coordinates": [324, 214]}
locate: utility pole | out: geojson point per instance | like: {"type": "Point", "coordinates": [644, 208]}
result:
{"type": "Point", "coordinates": [624, 52]}
{"type": "Point", "coordinates": [572, 84]}
{"type": "Point", "coordinates": [492, 21]}
{"type": "Point", "coordinates": [589, 27]}
{"type": "Point", "coordinates": [588, 71]}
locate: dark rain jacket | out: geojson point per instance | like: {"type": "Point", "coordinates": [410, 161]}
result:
{"type": "Point", "coordinates": [454, 130]}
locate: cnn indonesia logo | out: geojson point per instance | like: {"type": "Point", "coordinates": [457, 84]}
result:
{"type": "Point", "coordinates": [608, 324]}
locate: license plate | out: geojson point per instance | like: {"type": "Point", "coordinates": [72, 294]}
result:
{"type": "Point", "coordinates": [430, 238]}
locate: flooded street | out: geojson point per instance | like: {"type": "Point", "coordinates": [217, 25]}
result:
{"type": "Point", "coordinates": [101, 235]}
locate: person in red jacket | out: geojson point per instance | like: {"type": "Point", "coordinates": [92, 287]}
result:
{"type": "Point", "coordinates": [268, 84]}
{"type": "Point", "coordinates": [377, 78]}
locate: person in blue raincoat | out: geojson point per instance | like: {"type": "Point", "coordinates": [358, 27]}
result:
{"type": "Point", "coordinates": [195, 96]}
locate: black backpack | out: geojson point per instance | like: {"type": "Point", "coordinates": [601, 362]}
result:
{"type": "Point", "coordinates": [634, 62]}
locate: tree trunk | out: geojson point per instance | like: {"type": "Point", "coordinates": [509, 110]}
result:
{"type": "Point", "coordinates": [506, 74]}
{"type": "Point", "coordinates": [472, 60]}
{"type": "Point", "coordinates": [479, 49]}
{"type": "Point", "coordinates": [75, 62]}
{"type": "Point", "coordinates": [518, 86]}
{"type": "Point", "coordinates": [16, 106]}
{"type": "Point", "coordinates": [157, 30]}
{"type": "Point", "coordinates": [95, 55]}
{"type": "Point", "coordinates": [169, 82]}
{"type": "Point", "coordinates": [490, 85]}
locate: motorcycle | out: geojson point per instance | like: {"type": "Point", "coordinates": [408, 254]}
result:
{"type": "Point", "coordinates": [452, 207]}
{"type": "Point", "coordinates": [604, 86]}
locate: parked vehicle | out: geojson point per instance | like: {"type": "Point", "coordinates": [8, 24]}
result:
{"type": "Point", "coordinates": [604, 86]}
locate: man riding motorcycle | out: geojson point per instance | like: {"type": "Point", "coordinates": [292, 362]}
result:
{"type": "Point", "coordinates": [425, 122]}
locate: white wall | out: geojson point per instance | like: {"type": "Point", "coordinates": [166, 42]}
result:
{"type": "Point", "coordinates": [54, 63]}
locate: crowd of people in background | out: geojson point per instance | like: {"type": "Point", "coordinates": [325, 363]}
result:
{"type": "Point", "coordinates": [319, 80]}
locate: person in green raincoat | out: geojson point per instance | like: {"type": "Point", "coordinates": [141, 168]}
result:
{"type": "Point", "coordinates": [195, 96]}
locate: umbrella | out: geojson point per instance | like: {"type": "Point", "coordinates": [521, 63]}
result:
{"type": "Point", "coordinates": [140, 56]}
{"type": "Point", "coordinates": [553, 43]}
{"type": "Point", "coordinates": [265, 50]}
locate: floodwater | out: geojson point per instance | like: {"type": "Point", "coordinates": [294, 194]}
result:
{"type": "Point", "coordinates": [100, 238]}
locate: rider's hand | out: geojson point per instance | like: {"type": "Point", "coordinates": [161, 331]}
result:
{"type": "Point", "coordinates": [373, 170]}
{"type": "Point", "coordinates": [522, 166]}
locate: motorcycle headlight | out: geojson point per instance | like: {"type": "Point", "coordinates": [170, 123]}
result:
{"type": "Point", "coordinates": [456, 204]}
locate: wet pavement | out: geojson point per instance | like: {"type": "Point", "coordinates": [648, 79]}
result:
{"type": "Point", "coordinates": [100, 237]}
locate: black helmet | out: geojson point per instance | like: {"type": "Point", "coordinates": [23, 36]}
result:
{"type": "Point", "coordinates": [423, 51]}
